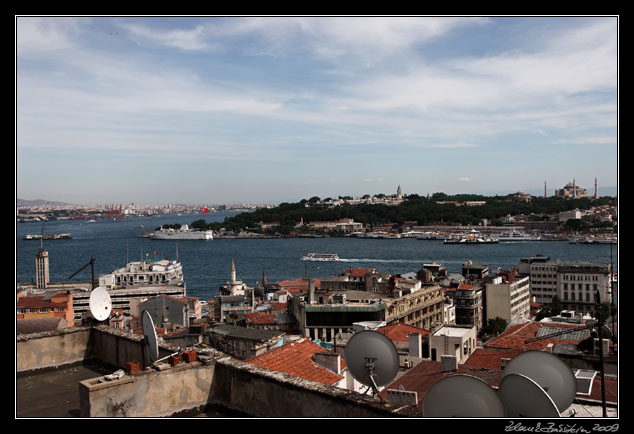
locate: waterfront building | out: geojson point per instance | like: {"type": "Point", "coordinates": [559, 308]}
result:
{"type": "Point", "coordinates": [41, 269]}
{"type": "Point", "coordinates": [143, 274]}
{"type": "Point", "coordinates": [508, 297]}
{"type": "Point", "coordinates": [574, 283]}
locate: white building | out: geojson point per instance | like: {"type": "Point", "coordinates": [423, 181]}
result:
{"type": "Point", "coordinates": [452, 340]}
{"type": "Point", "coordinates": [575, 283]}
{"type": "Point", "coordinates": [508, 297]}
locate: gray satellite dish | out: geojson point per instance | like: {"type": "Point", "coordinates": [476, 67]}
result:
{"type": "Point", "coordinates": [549, 372]}
{"type": "Point", "coordinates": [372, 359]}
{"type": "Point", "coordinates": [149, 333]}
{"type": "Point", "coordinates": [100, 303]}
{"type": "Point", "coordinates": [462, 396]}
{"type": "Point", "coordinates": [523, 397]}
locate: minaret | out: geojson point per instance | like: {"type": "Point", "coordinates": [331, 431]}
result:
{"type": "Point", "coordinates": [233, 272]}
{"type": "Point", "coordinates": [545, 189]}
{"type": "Point", "coordinates": [263, 279]}
{"type": "Point", "coordinates": [596, 191]}
{"type": "Point", "coordinates": [574, 189]}
{"type": "Point", "coordinates": [399, 193]}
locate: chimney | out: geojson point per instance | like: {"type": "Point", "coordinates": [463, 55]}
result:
{"type": "Point", "coordinates": [330, 361]}
{"type": "Point", "coordinates": [311, 290]}
{"type": "Point", "coordinates": [504, 361]}
{"type": "Point", "coordinates": [448, 363]}
{"type": "Point", "coordinates": [550, 347]}
{"type": "Point", "coordinates": [415, 346]}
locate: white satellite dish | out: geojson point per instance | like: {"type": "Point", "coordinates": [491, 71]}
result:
{"type": "Point", "coordinates": [100, 303]}
{"type": "Point", "coordinates": [149, 333]}
{"type": "Point", "coordinates": [462, 396]}
{"type": "Point", "coordinates": [549, 372]}
{"type": "Point", "coordinates": [371, 358]}
{"type": "Point", "coordinates": [523, 397]}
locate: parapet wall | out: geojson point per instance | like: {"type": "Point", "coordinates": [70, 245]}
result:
{"type": "Point", "coordinates": [53, 349]}
{"type": "Point", "coordinates": [260, 392]}
{"type": "Point", "coordinates": [190, 385]}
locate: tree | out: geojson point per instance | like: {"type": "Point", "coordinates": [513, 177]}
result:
{"type": "Point", "coordinates": [495, 326]}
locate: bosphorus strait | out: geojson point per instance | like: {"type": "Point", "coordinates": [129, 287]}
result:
{"type": "Point", "coordinates": [206, 264]}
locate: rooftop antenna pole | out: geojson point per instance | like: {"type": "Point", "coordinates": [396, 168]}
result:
{"type": "Point", "coordinates": [599, 327]}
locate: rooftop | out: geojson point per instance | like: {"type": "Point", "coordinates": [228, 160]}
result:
{"type": "Point", "coordinates": [297, 358]}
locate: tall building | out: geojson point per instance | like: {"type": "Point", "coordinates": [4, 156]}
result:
{"type": "Point", "coordinates": [41, 269]}
{"type": "Point", "coordinates": [508, 297]}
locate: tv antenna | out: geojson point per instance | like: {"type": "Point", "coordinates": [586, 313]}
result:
{"type": "Point", "coordinates": [462, 396]}
{"type": "Point", "coordinates": [92, 269]}
{"type": "Point", "coordinates": [100, 304]}
{"type": "Point", "coordinates": [372, 359]}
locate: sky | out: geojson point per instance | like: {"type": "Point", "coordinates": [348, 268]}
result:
{"type": "Point", "coordinates": [204, 110]}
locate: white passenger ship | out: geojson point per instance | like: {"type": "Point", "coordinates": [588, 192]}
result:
{"type": "Point", "coordinates": [184, 233]}
{"type": "Point", "coordinates": [321, 257]}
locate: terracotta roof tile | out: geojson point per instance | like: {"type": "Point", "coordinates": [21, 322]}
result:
{"type": "Point", "coordinates": [399, 332]}
{"type": "Point", "coordinates": [297, 359]}
{"type": "Point", "coordinates": [515, 337]}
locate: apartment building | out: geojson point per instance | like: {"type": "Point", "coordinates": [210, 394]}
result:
{"type": "Point", "coordinates": [575, 283]}
{"type": "Point", "coordinates": [508, 297]}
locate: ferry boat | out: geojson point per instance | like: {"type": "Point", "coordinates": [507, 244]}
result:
{"type": "Point", "coordinates": [184, 233]}
{"type": "Point", "coordinates": [48, 237]}
{"type": "Point", "coordinates": [321, 257]}
{"type": "Point", "coordinates": [515, 235]}
{"type": "Point", "coordinates": [472, 237]}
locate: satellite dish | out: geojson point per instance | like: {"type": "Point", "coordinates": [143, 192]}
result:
{"type": "Point", "coordinates": [549, 372]}
{"type": "Point", "coordinates": [462, 396]}
{"type": "Point", "coordinates": [149, 333]}
{"type": "Point", "coordinates": [523, 397]}
{"type": "Point", "coordinates": [371, 358]}
{"type": "Point", "coordinates": [100, 303]}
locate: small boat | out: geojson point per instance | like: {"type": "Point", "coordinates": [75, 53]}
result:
{"type": "Point", "coordinates": [322, 257]}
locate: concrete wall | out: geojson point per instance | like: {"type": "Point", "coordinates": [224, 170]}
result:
{"type": "Point", "coordinates": [214, 379]}
{"type": "Point", "coordinates": [52, 349]}
{"type": "Point", "coordinates": [149, 394]}
{"type": "Point", "coordinates": [262, 393]}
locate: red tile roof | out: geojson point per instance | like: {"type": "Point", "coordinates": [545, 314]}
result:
{"type": "Point", "coordinates": [491, 359]}
{"type": "Point", "coordinates": [259, 318]}
{"type": "Point", "coordinates": [297, 359]}
{"type": "Point", "coordinates": [424, 375]}
{"type": "Point", "coordinates": [515, 337]}
{"type": "Point", "coordinates": [297, 283]}
{"type": "Point", "coordinates": [358, 272]}
{"type": "Point", "coordinates": [399, 332]}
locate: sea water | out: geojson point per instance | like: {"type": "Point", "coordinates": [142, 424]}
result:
{"type": "Point", "coordinates": [207, 264]}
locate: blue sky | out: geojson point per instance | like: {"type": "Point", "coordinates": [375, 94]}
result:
{"type": "Point", "coordinates": [270, 109]}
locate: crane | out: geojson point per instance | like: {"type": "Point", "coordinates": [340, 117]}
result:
{"type": "Point", "coordinates": [92, 268]}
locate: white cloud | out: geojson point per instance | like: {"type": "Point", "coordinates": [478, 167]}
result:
{"type": "Point", "coordinates": [464, 179]}
{"type": "Point", "coordinates": [39, 35]}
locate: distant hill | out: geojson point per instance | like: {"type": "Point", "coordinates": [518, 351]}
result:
{"type": "Point", "coordinates": [38, 202]}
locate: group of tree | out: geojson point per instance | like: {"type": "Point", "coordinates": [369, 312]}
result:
{"type": "Point", "coordinates": [418, 209]}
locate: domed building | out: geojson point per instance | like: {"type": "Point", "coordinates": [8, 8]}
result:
{"type": "Point", "coordinates": [572, 191]}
